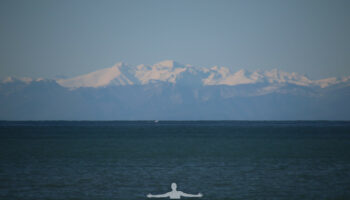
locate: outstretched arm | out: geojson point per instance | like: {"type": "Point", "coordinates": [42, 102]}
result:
{"type": "Point", "coordinates": [158, 195]}
{"type": "Point", "coordinates": [191, 195]}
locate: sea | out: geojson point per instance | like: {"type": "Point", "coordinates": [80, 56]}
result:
{"type": "Point", "coordinates": [222, 160]}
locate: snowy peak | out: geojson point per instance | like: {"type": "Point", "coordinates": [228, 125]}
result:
{"type": "Point", "coordinates": [12, 79]}
{"type": "Point", "coordinates": [98, 78]}
{"type": "Point", "coordinates": [166, 71]}
{"type": "Point", "coordinates": [26, 80]}
{"type": "Point", "coordinates": [323, 83]}
{"type": "Point", "coordinates": [224, 76]}
{"type": "Point", "coordinates": [281, 77]}
{"type": "Point", "coordinates": [176, 73]}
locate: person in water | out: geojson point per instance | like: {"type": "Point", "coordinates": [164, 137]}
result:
{"type": "Point", "coordinates": [174, 194]}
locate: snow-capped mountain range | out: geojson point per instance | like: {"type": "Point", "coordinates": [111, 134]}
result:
{"type": "Point", "coordinates": [170, 90]}
{"type": "Point", "coordinates": [173, 72]}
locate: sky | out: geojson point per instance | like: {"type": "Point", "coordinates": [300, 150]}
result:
{"type": "Point", "coordinates": [46, 38]}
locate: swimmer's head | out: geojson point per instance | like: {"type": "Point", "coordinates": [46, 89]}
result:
{"type": "Point", "coordinates": [173, 186]}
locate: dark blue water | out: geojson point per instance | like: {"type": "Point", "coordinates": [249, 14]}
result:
{"type": "Point", "coordinates": [222, 160]}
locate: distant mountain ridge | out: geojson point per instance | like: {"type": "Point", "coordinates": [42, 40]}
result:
{"type": "Point", "coordinates": [173, 72]}
{"type": "Point", "coordinates": [170, 90]}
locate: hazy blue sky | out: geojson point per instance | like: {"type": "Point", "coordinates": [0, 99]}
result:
{"type": "Point", "coordinates": [47, 38]}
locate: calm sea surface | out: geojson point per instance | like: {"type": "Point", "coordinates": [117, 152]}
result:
{"type": "Point", "coordinates": [221, 159]}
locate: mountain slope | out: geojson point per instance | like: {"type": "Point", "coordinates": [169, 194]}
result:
{"type": "Point", "coordinates": [172, 72]}
{"type": "Point", "coordinates": [172, 91]}
{"type": "Point", "coordinates": [98, 78]}
{"type": "Point", "coordinates": [166, 101]}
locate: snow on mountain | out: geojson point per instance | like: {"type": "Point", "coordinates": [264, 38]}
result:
{"type": "Point", "coordinates": [103, 77]}
{"type": "Point", "coordinates": [326, 82]}
{"type": "Point", "coordinates": [277, 76]}
{"type": "Point", "coordinates": [26, 80]}
{"type": "Point", "coordinates": [183, 91]}
{"type": "Point", "coordinates": [166, 71]}
{"type": "Point", "coordinates": [323, 83]}
{"type": "Point", "coordinates": [223, 76]}
{"type": "Point", "coordinates": [176, 73]}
